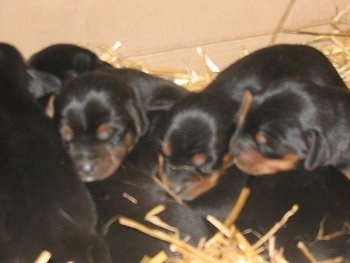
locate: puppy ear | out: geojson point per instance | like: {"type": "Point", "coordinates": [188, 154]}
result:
{"type": "Point", "coordinates": [50, 108]}
{"type": "Point", "coordinates": [246, 103]}
{"type": "Point", "coordinates": [318, 150]}
{"type": "Point", "coordinates": [139, 117]}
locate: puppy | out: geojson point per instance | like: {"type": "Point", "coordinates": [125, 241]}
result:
{"type": "Point", "coordinates": [43, 204]}
{"type": "Point", "coordinates": [102, 115]}
{"type": "Point", "coordinates": [194, 146]}
{"type": "Point", "coordinates": [195, 143]}
{"type": "Point", "coordinates": [294, 120]}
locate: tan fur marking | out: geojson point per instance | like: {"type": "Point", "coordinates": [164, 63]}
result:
{"type": "Point", "coordinates": [255, 163]}
{"type": "Point", "coordinates": [67, 132]}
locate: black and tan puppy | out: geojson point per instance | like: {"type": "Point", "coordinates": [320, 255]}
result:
{"type": "Point", "coordinates": [195, 144]}
{"type": "Point", "coordinates": [102, 115]}
{"type": "Point", "coordinates": [294, 120]}
{"type": "Point", "coordinates": [43, 204]}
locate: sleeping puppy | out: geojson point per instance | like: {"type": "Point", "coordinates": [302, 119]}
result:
{"type": "Point", "coordinates": [43, 204]}
{"type": "Point", "coordinates": [294, 120]}
{"type": "Point", "coordinates": [194, 149]}
{"type": "Point", "coordinates": [52, 66]}
{"type": "Point", "coordinates": [102, 116]}
{"type": "Point", "coordinates": [194, 146]}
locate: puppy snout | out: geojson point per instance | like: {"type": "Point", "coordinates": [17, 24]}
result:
{"type": "Point", "coordinates": [86, 169]}
{"type": "Point", "coordinates": [180, 179]}
{"type": "Point", "coordinates": [86, 163]}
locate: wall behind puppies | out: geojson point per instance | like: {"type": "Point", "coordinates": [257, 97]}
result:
{"type": "Point", "coordinates": [163, 33]}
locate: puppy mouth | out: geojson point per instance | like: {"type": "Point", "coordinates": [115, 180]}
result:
{"type": "Point", "coordinates": [192, 184]}
{"type": "Point", "coordinates": [105, 163]}
{"type": "Point", "coordinates": [98, 161]}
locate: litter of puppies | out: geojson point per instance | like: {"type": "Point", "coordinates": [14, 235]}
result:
{"type": "Point", "coordinates": [297, 215]}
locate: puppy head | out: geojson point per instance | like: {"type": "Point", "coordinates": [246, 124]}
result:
{"type": "Point", "coordinates": [65, 61]}
{"type": "Point", "coordinates": [100, 122]}
{"type": "Point", "coordinates": [12, 67]}
{"type": "Point", "coordinates": [193, 153]}
{"type": "Point", "coordinates": [278, 130]}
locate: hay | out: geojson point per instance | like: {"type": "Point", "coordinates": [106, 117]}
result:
{"type": "Point", "coordinates": [334, 44]}
{"type": "Point", "coordinates": [44, 257]}
{"type": "Point", "coordinates": [228, 245]}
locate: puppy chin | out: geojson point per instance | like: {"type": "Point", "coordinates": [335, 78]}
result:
{"type": "Point", "coordinates": [187, 190]}
{"type": "Point", "coordinates": [198, 187]}
{"type": "Point", "coordinates": [95, 177]}
{"type": "Point", "coordinates": [254, 163]}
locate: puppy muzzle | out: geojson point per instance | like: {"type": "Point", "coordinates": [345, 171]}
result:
{"type": "Point", "coordinates": [185, 181]}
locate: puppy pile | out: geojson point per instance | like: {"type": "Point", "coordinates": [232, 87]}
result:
{"type": "Point", "coordinates": [117, 143]}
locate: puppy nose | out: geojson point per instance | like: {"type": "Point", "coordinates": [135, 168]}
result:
{"type": "Point", "coordinates": [86, 169]}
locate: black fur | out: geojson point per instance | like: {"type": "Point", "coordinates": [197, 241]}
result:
{"type": "Point", "coordinates": [65, 61]}
{"type": "Point", "coordinates": [43, 204]}
{"type": "Point", "coordinates": [321, 196]}
{"type": "Point", "coordinates": [256, 70]}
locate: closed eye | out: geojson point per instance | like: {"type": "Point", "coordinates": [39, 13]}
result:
{"type": "Point", "coordinates": [105, 131]}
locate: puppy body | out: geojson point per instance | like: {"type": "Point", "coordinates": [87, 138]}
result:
{"type": "Point", "coordinates": [101, 117]}
{"type": "Point", "coordinates": [44, 206]}
{"type": "Point", "coordinates": [294, 120]}
{"type": "Point", "coordinates": [256, 70]}
{"type": "Point", "coordinates": [321, 195]}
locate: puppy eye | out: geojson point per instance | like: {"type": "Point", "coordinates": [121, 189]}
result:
{"type": "Point", "coordinates": [105, 131]}
{"type": "Point", "coordinates": [199, 159]}
{"type": "Point", "coordinates": [261, 138]}
{"type": "Point", "coordinates": [67, 133]}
